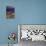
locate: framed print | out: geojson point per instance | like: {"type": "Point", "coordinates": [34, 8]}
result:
{"type": "Point", "coordinates": [28, 34]}
{"type": "Point", "coordinates": [32, 32]}
{"type": "Point", "coordinates": [10, 12]}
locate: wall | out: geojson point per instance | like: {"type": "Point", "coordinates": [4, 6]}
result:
{"type": "Point", "coordinates": [26, 12]}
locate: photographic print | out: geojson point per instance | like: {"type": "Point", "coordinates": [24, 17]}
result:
{"type": "Point", "coordinates": [10, 12]}
{"type": "Point", "coordinates": [30, 34]}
